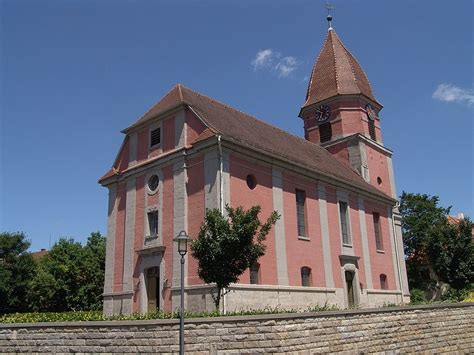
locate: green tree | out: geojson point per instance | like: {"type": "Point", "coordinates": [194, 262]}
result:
{"type": "Point", "coordinates": [93, 272]}
{"type": "Point", "coordinates": [437, 251]}
{"type": "Point", "coordinates": [70, 276]}
{"type": "Point", "coordinates": [452, 254]}
{"type": "Point", "coordinates": [16, 269]}
{"type": "Point", "coordinates": [227, 246]}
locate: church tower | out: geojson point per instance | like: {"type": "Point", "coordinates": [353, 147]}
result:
{"type": "Point", "coordinates": [341, 114]}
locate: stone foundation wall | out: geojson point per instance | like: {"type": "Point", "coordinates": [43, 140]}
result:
{"type": "Point", "coordinates": [439, 328]}
{"type": "Point", "coordinates": [243, 296]}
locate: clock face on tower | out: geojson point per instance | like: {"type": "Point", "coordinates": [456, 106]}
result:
{"type": "Point", "coordinates": [322, 113]}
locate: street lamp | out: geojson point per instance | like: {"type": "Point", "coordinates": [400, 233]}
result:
{"type": "Point", "coordinates": [182, 240]}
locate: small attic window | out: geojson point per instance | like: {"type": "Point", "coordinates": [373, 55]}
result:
{"type": "Point", "coordinates": [325, 132]}
{"type": "Point", "coordinates": [155, 137]}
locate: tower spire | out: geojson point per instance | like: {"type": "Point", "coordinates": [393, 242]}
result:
{"type": "Point", "coordinates": [329, 7]}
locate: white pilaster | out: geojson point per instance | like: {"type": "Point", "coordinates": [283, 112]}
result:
{"type": "Point", "coordinates": [365, 244]}
{"type": "Point", "coordinates": [129, 235]}
{"type": "Point", "coordinates": [323, 218]}
{"type": "Point", "coordinates": [211, 180]}
{"type": "Point", "coordinates": [391, 176]}
{"type": "Point", "coordinates": [110, 248]}
{"type": "Point", "coordinates": [396, 266]}
{"type": "Point", "coordinates": [132, 155]}
{"type": "Point", "coordinates": [180, 129]}
{"type": "Point", "coordinates": [280, 243]}
{"type": "Point", "coordinates": [179, 219]}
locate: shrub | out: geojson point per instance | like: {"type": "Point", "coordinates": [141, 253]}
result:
{"type": "Point", "coordinates": [417, 296]}
{"type": "Point", "coordinates": [454, 295]}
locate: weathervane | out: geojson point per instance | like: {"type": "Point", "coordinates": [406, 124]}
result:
{"type": "Point", "coordinates": [329, 7]}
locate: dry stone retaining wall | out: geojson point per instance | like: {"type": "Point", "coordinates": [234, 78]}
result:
{"type": "Point", "coordinates": [429, 329]}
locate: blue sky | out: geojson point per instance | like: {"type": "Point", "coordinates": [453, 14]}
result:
{"type": "Point", "coordinates": [74, 73]}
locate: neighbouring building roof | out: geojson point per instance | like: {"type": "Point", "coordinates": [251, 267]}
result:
{"type": "Point", "coordinates": [246, 130]}
{"type": "Point", "coordinates": [336, 72]}
{"type": "Point", "coordinates": [39, 254]}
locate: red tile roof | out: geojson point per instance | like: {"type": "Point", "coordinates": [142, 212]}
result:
{"type": "Point", "coordinates": [39, 254]}
{"type": "Point", "coordinates": [336, 72]}
{"type": "Point", "coordinates": [243, 129]}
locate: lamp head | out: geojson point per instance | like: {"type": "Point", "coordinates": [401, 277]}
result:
{"type": "Point", "coordinates": [182, 240]}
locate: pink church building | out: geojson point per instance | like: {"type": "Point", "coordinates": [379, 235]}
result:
{"type": "Point", "coordinates": [338, 240]}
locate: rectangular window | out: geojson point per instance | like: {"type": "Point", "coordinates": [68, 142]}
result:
{"type": "Point", "coordinates": [153, 223]}
{"type": "Point", "coordinates": [377, 232]}
{"type": "Point", "coordinates": [155, 137]}
{"type": "Point", "coordinates": [300, 213]}
{"type": "Point", "coordinates": [344, 215]}
{"type": "Point", "coordinates": [254, 269]}
{"type": "Point", "coordinates": [325, 132]}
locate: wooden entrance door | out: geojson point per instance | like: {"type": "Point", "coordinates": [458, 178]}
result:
{"type": "Point", "coordinates": [350, 288]}
{"type": "Point", "coordinates": [153, 288]}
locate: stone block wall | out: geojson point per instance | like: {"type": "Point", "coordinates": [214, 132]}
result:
{"type": "Point", "coordinates": [435, 328]}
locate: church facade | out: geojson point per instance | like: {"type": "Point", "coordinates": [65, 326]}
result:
{"type": "Point", "coordinates": [338, 240]}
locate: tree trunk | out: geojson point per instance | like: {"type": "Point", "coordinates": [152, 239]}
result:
{"type": "Point", "coordinates": [217, 299]}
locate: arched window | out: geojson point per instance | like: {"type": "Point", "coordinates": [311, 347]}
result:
{"type": "Point", "coordinates": [251, 181]}
{"type": "Point", "coordinates": [254, 270]}
{"type": "Point", "coordinates": [305, 276]}
{"type": "Point", "coordinates": [383, 282]}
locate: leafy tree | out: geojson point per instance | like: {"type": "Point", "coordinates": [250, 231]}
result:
{"type": "Point", "coordinates": [16, 269]}
{"type": "Point", "coordinates": [452, 254]}
{"type": "Point", "coordinates": [437, 251]}
{"type": "Point", "coordinates": [70, 277]}
{"type": "Point", "coordinates": [226, 247]}
{"type": "Point", "coordinates": [93, 264]}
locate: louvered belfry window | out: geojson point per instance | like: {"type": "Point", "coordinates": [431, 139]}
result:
{"type": "Point", "coordinates": [372, 129]}
{"type": "Point", "coordinates": [155, 137]}
{"type": "Point", "coordinates": [300, 213]}
{"type": "Point", "coordinates": [325, 132]}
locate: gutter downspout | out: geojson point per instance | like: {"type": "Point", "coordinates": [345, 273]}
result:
{"type": "Point", "coordinates": [396, 250]}
{"type": "Point", "coordinates": [221, 204]}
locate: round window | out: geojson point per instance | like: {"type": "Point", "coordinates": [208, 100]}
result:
{"type": "Point", "coordinates": [251, 182]}
{"type": "Point", "coordinates": [379, 180]}
{"type": "Point", "coordinates": [153, 182]}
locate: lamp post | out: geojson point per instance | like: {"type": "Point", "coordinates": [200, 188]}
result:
{"type": "Point", "coordinates": [182, 240]}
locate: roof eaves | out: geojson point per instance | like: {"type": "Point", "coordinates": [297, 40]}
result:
{"type": "Point", "coordinates": [369, 189]}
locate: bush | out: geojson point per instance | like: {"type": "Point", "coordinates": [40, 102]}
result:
{"type": "Point", "coordinates": [78, 316]}
{"type": "Point", "coordinates": [469, 298]}
{"type": "Point", "coordinates": [453, 295]}
{"type": "Point", "coordinates": [417, 296]}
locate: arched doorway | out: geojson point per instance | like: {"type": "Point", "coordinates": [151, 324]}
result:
{"type": "Point", "coordinates": [153, 288]}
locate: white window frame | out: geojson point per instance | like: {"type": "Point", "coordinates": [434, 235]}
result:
{"type": "Point", "coordinates": [343, 196]}
{"type": "Point", "coordinates": [310, 281]}
{"type": "Point", "coordinates": [148, 214]}
{"type": "Point", "coordinates": [305, 224]}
